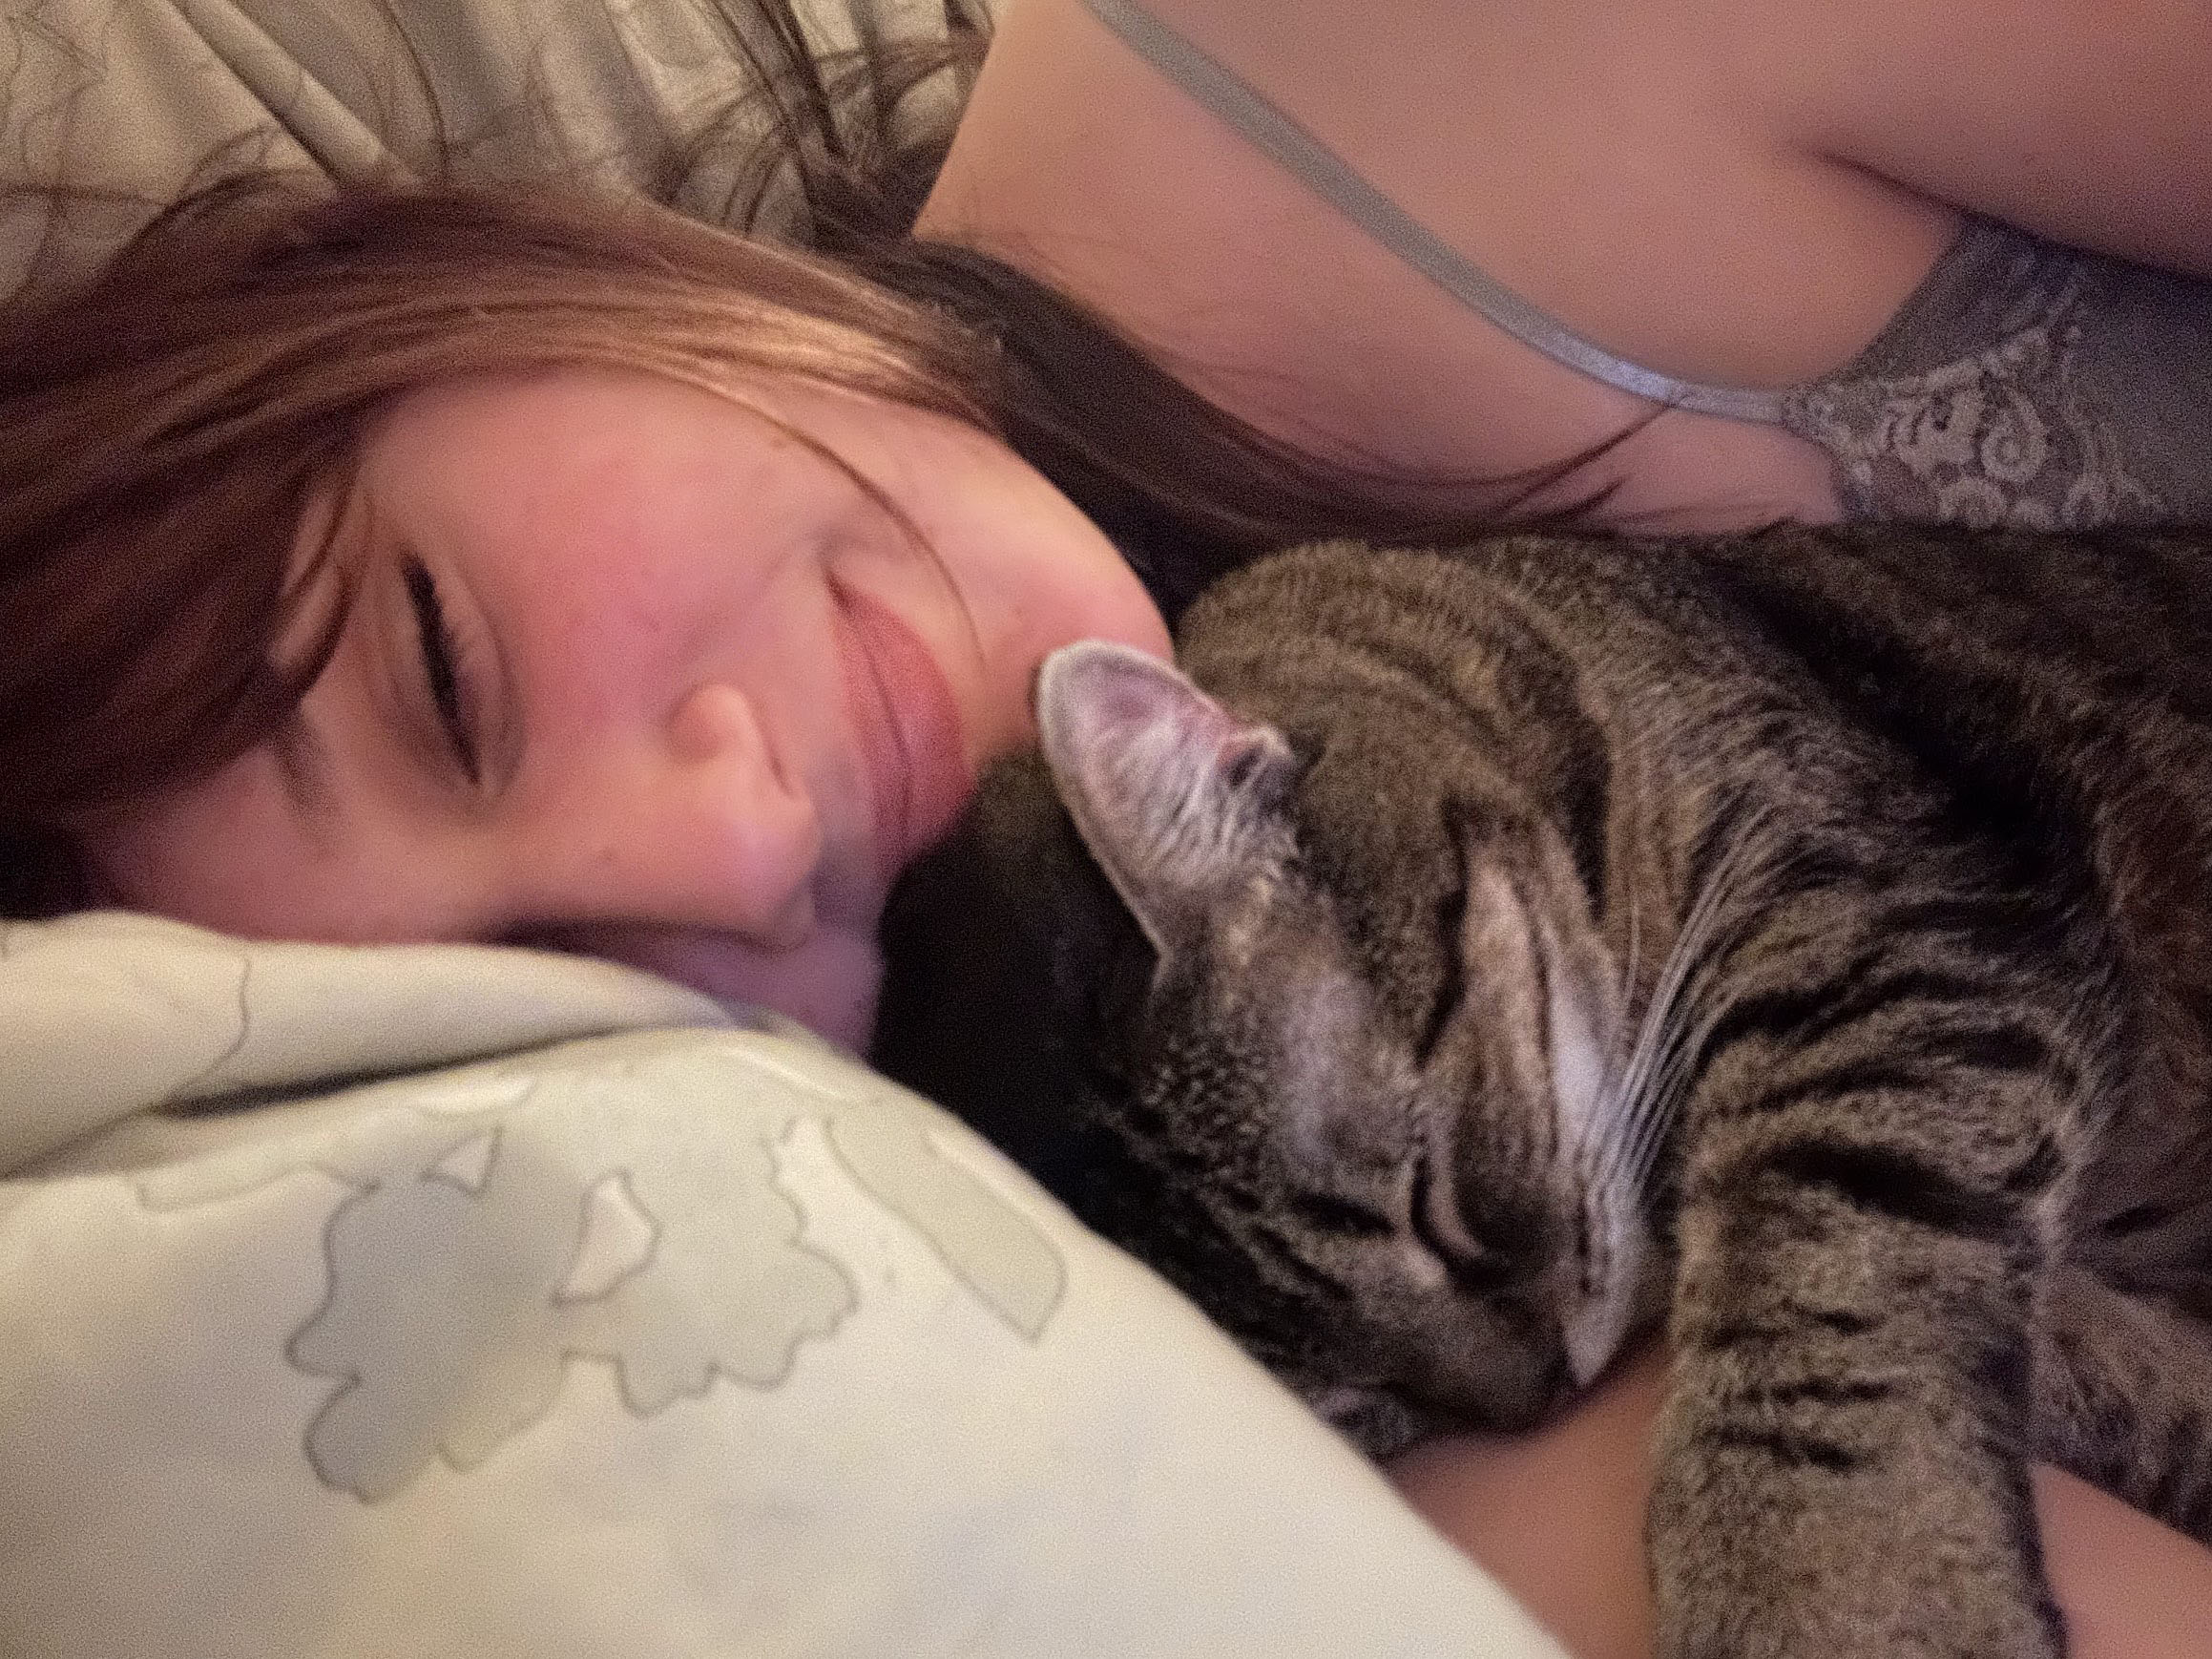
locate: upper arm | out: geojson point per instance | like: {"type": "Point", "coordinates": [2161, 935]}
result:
{"type": "Point", "coordinates": [2086, 120]}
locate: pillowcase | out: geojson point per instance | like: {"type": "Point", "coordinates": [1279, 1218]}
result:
{"type": "Point", "coordinates": [130, 104]}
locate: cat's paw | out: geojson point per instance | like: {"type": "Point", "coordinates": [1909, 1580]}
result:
{"type": "Point", "coordinates": [1807, 1609]}
{"type": "Point", "coordinates": [1769, 1557]}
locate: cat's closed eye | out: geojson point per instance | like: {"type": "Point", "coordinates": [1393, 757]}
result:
{"type": "Point", "coordinates": [1335, 1213]}
{"type": "Point", "coordinates": [1468, 1260]}
{"type": "Point", "coordinates": [1450, 926]}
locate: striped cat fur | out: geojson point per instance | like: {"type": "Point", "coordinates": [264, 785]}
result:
{"type": "Point", "coordinates": [1800, 942]}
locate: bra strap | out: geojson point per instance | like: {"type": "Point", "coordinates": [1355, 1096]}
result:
{"type": "Point", "coordinates": [1219, 90]}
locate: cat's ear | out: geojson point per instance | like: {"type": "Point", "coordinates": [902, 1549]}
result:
{"type": "Point", "coordinates": [1177, 798]}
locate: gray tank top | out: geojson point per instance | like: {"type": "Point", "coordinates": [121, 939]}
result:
{"type": "Point", "coordinates": [2023, 381]}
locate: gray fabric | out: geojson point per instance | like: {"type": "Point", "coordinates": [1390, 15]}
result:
{"type": "Point", "coordinates": [2027, 382]}
{"type": "Point", "coordinates": [2022, 383]}
{"type": "Point", "coordinates": [127, 105]}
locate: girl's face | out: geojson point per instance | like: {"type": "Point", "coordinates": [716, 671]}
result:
{"type": "Point", "coordinates": [631, 671]}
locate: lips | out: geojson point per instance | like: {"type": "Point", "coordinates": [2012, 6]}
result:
{"type": "Point", "coordinates": [909, 726]}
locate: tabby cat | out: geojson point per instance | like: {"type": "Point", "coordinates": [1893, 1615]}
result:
{"type": "Point", "coordinates": [1801, 941]}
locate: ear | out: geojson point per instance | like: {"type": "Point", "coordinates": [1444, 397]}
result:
{"type": "Point", "coordinates": [1177, 798]}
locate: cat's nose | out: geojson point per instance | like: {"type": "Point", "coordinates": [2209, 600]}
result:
{"type": "Point", "coordinates": [1544, 1378]}
{"type": "Point", "coordinates": [1497, 1365]}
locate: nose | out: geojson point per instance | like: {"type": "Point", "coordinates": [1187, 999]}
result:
{"type": "Point", "coordinates": [733, 807]}
{"type": "Point", "coordinates": [688, 819]}
{"type": "Point", "coordinates": [714, 721]}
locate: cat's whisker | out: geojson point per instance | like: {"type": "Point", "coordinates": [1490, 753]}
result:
{"type": "Point", "coordinates": [1624, 1036]}
{"type": "Point", "coordinates": [1623, 1043]}
{"type": "Point", "coordinates": [1646, 1055]}
{"type": "Point", "coordinates": [1660, 1061]}
{"type": "Point", "coordinates": [1755, 855]}
{"type": "Point", "coordinates": [1649, 1057]}
{"type": "Point", "coordinates": [1669, 1092]}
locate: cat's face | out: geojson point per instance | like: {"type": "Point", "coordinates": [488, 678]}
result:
{"type": "Point", "coordinates": [1411, 1220]}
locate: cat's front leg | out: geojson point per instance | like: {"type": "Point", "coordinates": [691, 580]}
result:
{"type": "Point", "coordinates": [1842, 1458]}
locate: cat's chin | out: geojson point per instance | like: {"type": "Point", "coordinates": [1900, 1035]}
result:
{"type": "Point", "coordinates": [1376, 1421]}
{"type": "Point", "coordinates": [1383, 1422]}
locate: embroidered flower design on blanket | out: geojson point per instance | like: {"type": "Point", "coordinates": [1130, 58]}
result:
{"type": "Point", "coordinates": [573, 1225]}
{"type": "Point", "coordinates": [459, 1298]}
{"type": "Point", "coordinates": [682, 1206]}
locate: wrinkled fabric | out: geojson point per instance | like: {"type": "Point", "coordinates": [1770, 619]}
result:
{"type": "Point", "coordinates": [462, 1303]}
{"type": "Point", "coordinates": [127, 105]}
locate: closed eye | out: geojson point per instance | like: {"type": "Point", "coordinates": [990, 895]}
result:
{"type": "Point", "coordinates": [1342, 1215]}
{"type": "Point", "coordinates": [443, 669]}
{"type": "Point", "coordinates": [1475, 1270]}
{"type": "Point", "coordinates": [1449, 925]}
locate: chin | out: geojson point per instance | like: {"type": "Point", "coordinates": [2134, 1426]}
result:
{"type": "Point", "coordinates": [829, 985]}
{"type": "Point", "coordinates": [846, 1019]}
{"type": "Point", "coordinates": [830, 990]}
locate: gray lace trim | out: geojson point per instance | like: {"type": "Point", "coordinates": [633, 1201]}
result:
{"type": "Point", "coordinates": [2006, 435]}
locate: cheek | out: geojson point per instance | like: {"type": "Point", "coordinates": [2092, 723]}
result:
{"type": "Point", "coordinates": [1030, 603]}
{"type": "Point", "coordinates": [596, 578]}
{"type": "Point", "coordinates": [207, 855]}
{"type": "Point", "coordinates": [630, 534]}
{"type": "Point", "coordinates": [1023, 554]}
{"type": "Point", "coordinates": [1083, 589]}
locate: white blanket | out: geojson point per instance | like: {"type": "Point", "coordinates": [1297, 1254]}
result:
{"type": "Point", "coordinates": [469, 1302]}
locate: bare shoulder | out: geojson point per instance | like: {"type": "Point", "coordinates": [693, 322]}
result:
{"type": "Point", "coordinates": [1590, 155]}
{"type": "Point", "coordinates": [1579, 155]}
{"type": "Point", "coordinates": [2084, 119]}
{"type": "Point", "coordinates": [2081, 119]}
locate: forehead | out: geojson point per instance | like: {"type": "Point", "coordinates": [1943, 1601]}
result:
{"type": "Point", "coordinates": [567, 471]}
{"type": "Point", "coordinates": [1271, 983]}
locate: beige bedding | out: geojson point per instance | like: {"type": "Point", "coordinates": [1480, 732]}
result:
{"type": "Point", "coordinates": [474, 1303]}
{"type": "Point", "coordinates": [139, 100]}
